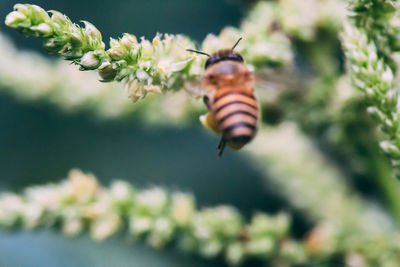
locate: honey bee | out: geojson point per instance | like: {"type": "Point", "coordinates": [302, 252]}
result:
{"type": "Point", "coordinates": [229, 96]}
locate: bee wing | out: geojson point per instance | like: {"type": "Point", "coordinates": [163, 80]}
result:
{"type": "Point", "coordinates": [270, 84]}
{"type": "Point", "coordinates": [194, 88]}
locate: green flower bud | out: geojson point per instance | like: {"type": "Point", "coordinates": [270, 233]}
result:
{"type": "Point", "coordinates": [90, 61]}
{"type": "Point", "coordinates": [16, 19]}
{"type": "Point", "coordinates": [43, 29]}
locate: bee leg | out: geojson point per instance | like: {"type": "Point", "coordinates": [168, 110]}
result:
{"type": "Point", "coordinates": [221, 146]}
{"type": "Point", "coordinates": [206, 101]}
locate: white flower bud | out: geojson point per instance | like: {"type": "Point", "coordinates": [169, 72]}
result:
{"type": "Point", "coordinates": [39, 13]}
{"type": "Point", "coordinates": [147, 49]}
{"type": "Point", "coordinates": [129, 40]}
{"type": "Point", "coordinates": [390, 148]}
{"type": "Point", "coordinates": [140, 225]}
{"type": "Point", "coordinates": [90, 61]}
{"type": "Point", "coordinates": [58, 18]}
{"type": "Point", "coordinates": [152, 88]}
{"type": "Point", "coordinates": [142, 75]}
{"type": "Point", "coordinates": [211, 248]}
{"type": "Point", "coordinates": [263, 246]}
{"type": "Point", "coordinates": [154, 200]}
{"type": "Point", "coordinates": [392, 98]}
{"type": "Point", "coordinates": [376, 113]}
{"type": "Point", "coordinates": [359, 83]}
{"type": "Point", "coordinates": [182, 208]}
{"type": "Point", "coordinates": [355, 68]}
{"type": "Point", "coordinates": [72, 227]}
{"type": "Point", "coordinates": [121, 191]}
{"type": "Point", "coordinates": [156, 41]}
{"type": "Point", "coordinates": [370, 92]}
{"type": "Point", "coordinates": [32, 214]}
{"type": "Point", "coordinates": [371, 50]}
{"type": "Point", "coordinates": [235, 253]}
{"type": "Point", "coordinates": [116, 52]}
{"type": "Point", "coordinates": [17, 19]}
{"type": "Point", "coordinates": [23, 8]}
{"type": "Point", "coordinates": [43, 28]}
{"type": "Point", "coordinates": [105, 226]}
{"type": "Point", "coordinates": [107, 72]}
{"type": "Point", "coordinates": [163, 226]}
{"type": "Point", "coordinates": [76, 39]}
{"type": "Point", "coordinates": [387, 75]}
{"type": "Point", "coordinates": [91, 31]}
{"type": "Point", "coordinates": [134, 90]}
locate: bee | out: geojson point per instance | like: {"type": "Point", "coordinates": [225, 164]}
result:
{"type": "Point", "coordinates": [229, 96]}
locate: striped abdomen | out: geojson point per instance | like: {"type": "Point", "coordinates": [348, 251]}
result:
{"type": "Point", "coordinates": [236, 112]}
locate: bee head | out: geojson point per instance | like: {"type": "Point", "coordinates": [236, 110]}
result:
{"type": "Point", "coordinates": [226, 54]}
{"type": "Point", "coordinates": [223, 55]}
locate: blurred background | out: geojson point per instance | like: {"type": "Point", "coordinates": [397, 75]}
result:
{"type": "Point", "coordinates": [39, 142]}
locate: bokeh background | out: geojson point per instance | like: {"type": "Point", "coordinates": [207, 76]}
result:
{"type": "Point", "coordinates": [39, 143]}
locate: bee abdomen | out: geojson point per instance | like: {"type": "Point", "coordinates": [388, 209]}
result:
{"type": "Point", "coordinates": [237, 116]}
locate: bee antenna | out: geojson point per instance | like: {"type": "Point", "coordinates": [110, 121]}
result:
{"type": "Point", "coordinates": [198, 52]}
{"type": "Point", "coordinates": [237, 42]}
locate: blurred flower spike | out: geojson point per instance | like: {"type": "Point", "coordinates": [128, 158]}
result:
{"type": "Point", "coordinates": [80, 203]}
{"type": "Point", "coordinates": [144, 66]}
